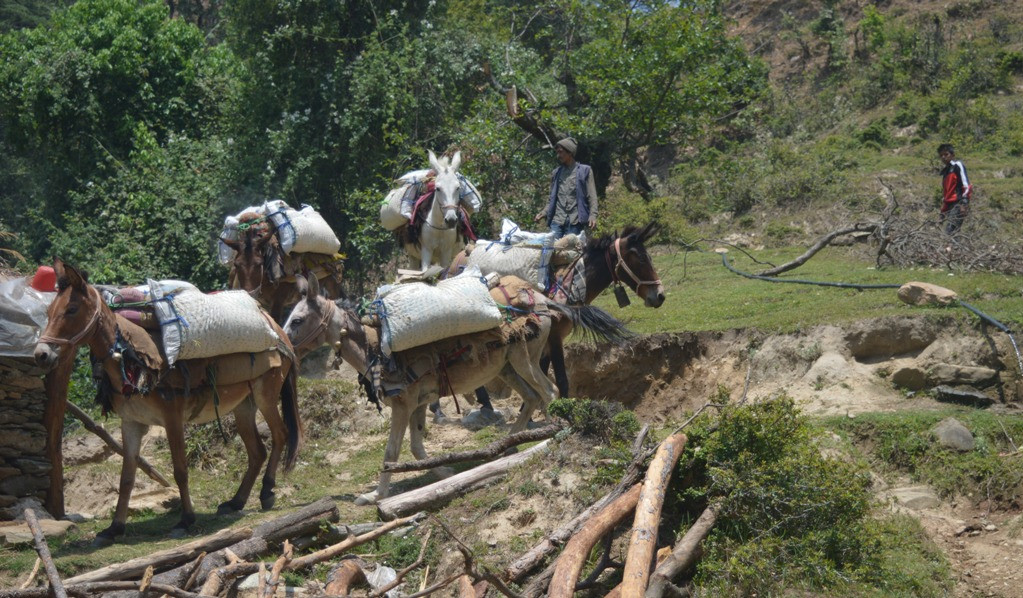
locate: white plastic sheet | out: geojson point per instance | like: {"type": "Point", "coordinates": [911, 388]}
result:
{"type": "Point", "coordinates": [22, 316]}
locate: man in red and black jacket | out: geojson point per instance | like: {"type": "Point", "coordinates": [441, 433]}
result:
{"type": "Point", "coordinates": [955, 188]}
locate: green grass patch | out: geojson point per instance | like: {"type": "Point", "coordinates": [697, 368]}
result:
{"type": "Point", "coordinates": [903, 442]}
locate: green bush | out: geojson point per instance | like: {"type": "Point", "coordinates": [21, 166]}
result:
{"type": "Point", "coordinates": [605, 420]}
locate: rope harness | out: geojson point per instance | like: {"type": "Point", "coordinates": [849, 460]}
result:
{"type": "Point", "coordinates": [328, 314]}
{"type": "Point", "coordinates": [53, 340]}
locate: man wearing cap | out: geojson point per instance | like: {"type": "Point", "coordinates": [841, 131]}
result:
{"type": "Point", "coordinates": [573, 200]}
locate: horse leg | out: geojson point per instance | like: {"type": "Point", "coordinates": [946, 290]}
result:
{"type": "Point", "coordinates": [425, 257]}
{"type": "Point", "coordinates": [556, 356]}
{"type": "Point", "coordinates": [267, 398]}
{"type": "Point", "coordinates": [417, 430]}
{"type": "Point", "coordinates": [533, 385]}
{"type": "Point", "coordinates": [399, 422]}
{"type": "Point", "coordinates": [131, 438]}
{"type": "Point", "coordinates": [245, 420]}
{"type": "Point", "coordinates": [175, 427]}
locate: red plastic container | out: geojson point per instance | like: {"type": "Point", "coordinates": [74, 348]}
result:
{"type": "Point", "coordinates": [44, 279]}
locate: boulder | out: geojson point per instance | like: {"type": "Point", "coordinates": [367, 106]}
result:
{"type": "Point", "coordinates": [922, 293]}
{"type": "Point", "coordinates": [951, 433]}
{"type": "Point", "coordinates": [887, 337]}
{"type": "Point", "coordinates": [916, 497]}
{"type": "Point", "coordinates": [947, 373]}
{"type": "Point", "coordinates": [910, 377]}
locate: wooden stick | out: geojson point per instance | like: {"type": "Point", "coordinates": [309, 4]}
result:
{"type": "Point", "coordinates": [684, 554]}
{"type": "Point", "coordinates": [465, 589]}
{"type": "Point", "coordinates": [343, 576]}
{"type": "Point", "coordinates": [98, 430]}
{"type": "Point", "coordinates": [32, 575]}
{"type": "Point", "coordinates": [382, 591]}
{"type": "Point", "coordinates": [275, 572]}
{"type": "Point", "coordinates": [438, 492]}
{"type": "Point", "coordinates": [495, 449]}
{"type": "Point", "coordinates": [570, 563]}
{"type": "Point", "coordinates": [820, 244]}
{"type": "Point", "coordinates": [91, 590]}
{"type": "Point", "coordinates": [643, 543]}
{"type": "Point", "coordinates": [164, 558]}
{"type": "Point", "coordinates": [437, 586]}
{"type": "Point", "coordinates": [195, 571]}
{"type": "Point", "coordinates": [342, 547]}
{"type": "Point", "coordinates": [44, 554]}
{"type": "Point", "coordinates": [217, 577]}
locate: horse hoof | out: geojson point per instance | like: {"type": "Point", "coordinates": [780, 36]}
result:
{"type": "Point", "coordinates": [178, 532]}
{"type": "Point", "coordinates": [101, 541]}
{"type": "Point", "coordinates": [366, 499]}
{"type": "Point", "coordinates": [267, 503]}
{"type": "Point", "coordinates": [226, 508]}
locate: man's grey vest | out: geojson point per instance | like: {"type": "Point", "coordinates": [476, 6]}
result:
{"type": "Point", "coordinates": [582, 173]}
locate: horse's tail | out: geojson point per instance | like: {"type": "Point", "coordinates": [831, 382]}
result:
{"type": "Point", "coordinates": [595, 323]}
{"type": "Point", "coordinates": [292, 419]}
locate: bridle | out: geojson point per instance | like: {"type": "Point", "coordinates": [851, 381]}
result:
{"type": "Point", "coordinates": [621, 264]}
{"type": "Point", "coordinates": [73, 341]}
{"type": "Point", "coordinates": [328, 313]}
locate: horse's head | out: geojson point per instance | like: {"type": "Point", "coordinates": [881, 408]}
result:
{"type": "Point", "coordinates": [71, 317]}
{"type": "Point", "coordinates": [634, 266]}
{"type": "Point", "coordinates": [310, 323]}
{"type": "Point", "coordinates": [249, 260]}
{"type": "Point", "coordinates": [447, 188]}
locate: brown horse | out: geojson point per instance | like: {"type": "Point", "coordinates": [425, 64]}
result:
{"type": "Point", "coordinates": [454, 365]}
{"type": "Point", "coordinates": [144, 393]}
{"type": "Point", "coordinates": [261, 267]}
{"type": "Point", "coordinates": [605, 261]}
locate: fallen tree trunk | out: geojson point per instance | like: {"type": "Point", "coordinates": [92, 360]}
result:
{"type": "Point", "coordinates": [91, 590]}
{"type": "Point", "coordinates": [684, 555]}
{"type": "Point", "coordinates": [821, 244]}
{"type": "Point", "coordinates": [489, 452]}
{"type": "Point", "coordinates": [442, 491]}
{"type": "Point", "coordinates": [164, 558]}
{"type": "Point", "coordinates": [643, 543]}
{"type": "Point", "coordinates": [98, 430]}
{"type": "Point", "coordinates": [43, 550]}
{"type": "Point", "coordinates": [570, 563]}
{"type": "Point", "coordinates": [265, 537]}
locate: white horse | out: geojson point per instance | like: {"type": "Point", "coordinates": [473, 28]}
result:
{"type": "Point", "coordinates": [433, 234]}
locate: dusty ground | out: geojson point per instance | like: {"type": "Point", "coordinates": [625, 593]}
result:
{"type": "Point", "coordinates": [829, 370]}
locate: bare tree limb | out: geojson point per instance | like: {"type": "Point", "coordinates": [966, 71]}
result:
{"type": "Point", "coordinates": [493, 450]}
{"type": "Point", "coordinates": [56, 586]}
{"type": "Point", "coordinates": [382, 591]}
{"type": "Point", "coordinates": [98, 430]}
{"type": "Point", "coordinates": [32, 574]}
{"type": "Point", "coordinates": [684, 555]}
{"type": "Point", "coordinates": [820, 244]}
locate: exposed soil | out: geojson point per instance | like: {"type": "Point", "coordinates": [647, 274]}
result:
{"type": "Point", "coordinates": [828, 370]}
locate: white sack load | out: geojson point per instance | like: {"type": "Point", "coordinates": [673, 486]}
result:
{"type": "Point", "coordinates": [391, 216]}
{"type": "Point", "coordinates": [511, 234]}
{"type": "Point", "coordinates": [528, 263]}
{"type": "Point", "coordinates": [396, 209]}
{"type": "Point", "coordinates": [197, 325]}
{"type": "Point", "coordinates": [303, 231]}
{"type": "Point", "coordinates": [416, 313]}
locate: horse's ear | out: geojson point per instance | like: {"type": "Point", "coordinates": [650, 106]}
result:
{"type": "Point", "coordinates": [314, 287]}
{"type": "Point", "coordinates": [302, 285]}
{"type": "Point", "coordinates": [69, 276]}
{"type": "Point", "coordinates": [649, 231]}
{"type": "Point", "coordinates": [433, 161]}
{"type": "Point", "coordinates": [456, 161]}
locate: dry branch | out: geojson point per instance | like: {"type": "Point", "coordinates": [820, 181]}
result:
{"type": "Point", "coordinates": [820, 244]}
{"type": "Point", "coordinates": [382, 591]}
{"type": "Point", "coordinates": [684, 555]}
{"type": "Point", "coordinates": [342, 547]}
{"type": "Point", "coordinates": [98, 430]}
{"type": "Point", "coordinates": [56, 586]}
{"type": "Point", "coordinates": [570, 563]}
{"type": "Point", "coordinates": [465, 589]}
{"type": "Point", "coordinates": [643, 543]}
{"type": "Point", "coordinates": [164, 558]}
{"type": "Point", "coordinates": [495, 449]}
{"type": "Point", "coordinates": [32, 574]}
{"type": "Point", "coordinates": [275, 573]}
{"type": "Point", "coordinates": [265, 538]}
{"type": "Point", "coordinates": [91, 590]}
{"type": "Point", "coordinates": [439, 492]}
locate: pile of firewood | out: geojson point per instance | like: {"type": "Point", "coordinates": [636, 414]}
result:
{"type": "Point", "coordinates": [212, 565]}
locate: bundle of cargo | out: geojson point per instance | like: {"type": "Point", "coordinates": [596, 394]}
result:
{"type": "Point", "coordinates": [530, 256]}
{"type": "Point", "coordinates": [417, 313]}
{"type": "Point", "coordinates": [396, 210]}
{"type": "Point", "coordinates": [297, 231]}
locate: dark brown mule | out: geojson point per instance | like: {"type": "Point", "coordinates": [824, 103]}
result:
{"type": "Point", "coordinates": [608, 260]}
{"type": "Point", "coordinates": [78, 316]}
{"type": "Point", "coordinates": [260, 268]}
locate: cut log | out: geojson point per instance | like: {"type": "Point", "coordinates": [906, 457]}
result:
{"type": "Point", "coordinates": [266, 537]}
{"type": "Point", "coordinates": [570, 563]}
{"type": "Point", "coordinates": [91, 590]}
{"type": "Point", "coordinates": [465, 587]}
{"type": "Point", "coordinates": [344, 576]}
{"type": "Point", "coordinates": [684, 555]}
{"type": "Point", "coordinates": [495, 449]}
{"type": "Point", "coordinates": [98, 430]}
{"type": "Point", "coordinates": [164, 558]}
{"type": "Point", "coordinates": [43, 549]}
{"type": "Point", "coordinates": [444, 490]}
{"type": "Point", "coordinates": [643, 543]}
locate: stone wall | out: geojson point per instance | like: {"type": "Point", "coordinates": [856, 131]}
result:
{"type": "Point", "coordinates": [24, 469]}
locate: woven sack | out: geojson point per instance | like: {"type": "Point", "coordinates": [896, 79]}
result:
{"type": "Point", "coordinates": [416, 313]}
{"type": "Point", "coordinates": [225, 254]}
{"type": "Point", "coordinates": [197, 325]}
{"type": "Point", "coordinates": [390, 211]}
{"type": "Point", "coordinates": [528, 263]}
{"type": "Point", "coordinates": [312, 233]}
